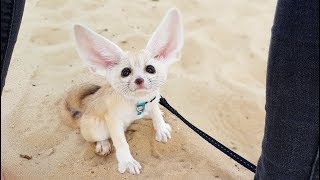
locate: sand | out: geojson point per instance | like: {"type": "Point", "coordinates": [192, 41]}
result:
{"type": "Point", "coordinates": [219, 85]}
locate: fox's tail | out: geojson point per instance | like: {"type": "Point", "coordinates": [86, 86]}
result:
{"type": "Point", "coordinates": [71, 109]}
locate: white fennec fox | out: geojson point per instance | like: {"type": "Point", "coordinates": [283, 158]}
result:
{"type": "Point", "coordinates": [133, 91]}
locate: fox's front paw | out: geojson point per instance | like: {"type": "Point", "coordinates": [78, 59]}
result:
{"type": "Point", "coordinates": [163, 133]}
{"type": "Point", "coordinates": [131, 165]}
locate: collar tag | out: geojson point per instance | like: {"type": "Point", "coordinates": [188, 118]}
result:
{"type": "Point", "coordinates": [140, 107]}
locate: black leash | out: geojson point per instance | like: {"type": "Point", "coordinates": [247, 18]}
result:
{"type": "Point", "coordinates": [212, 141]}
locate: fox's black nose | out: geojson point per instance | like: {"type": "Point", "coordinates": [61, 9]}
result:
{"type": "Point", "coordinates": [139, 81]}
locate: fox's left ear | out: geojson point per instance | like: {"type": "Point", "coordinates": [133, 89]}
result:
{"type": "Point", "coordinates": [167, 41]}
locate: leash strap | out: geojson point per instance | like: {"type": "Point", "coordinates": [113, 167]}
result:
{"type": "Point", "coordinates": [211, 140]}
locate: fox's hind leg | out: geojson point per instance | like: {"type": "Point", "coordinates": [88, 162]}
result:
{"type": "Point", "coordinates": [103, 148]}
{"type": "Point", "coordinates": [94, 129]}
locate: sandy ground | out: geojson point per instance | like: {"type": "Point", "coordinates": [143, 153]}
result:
{"type": "Point", "coordinates": [219, 85]}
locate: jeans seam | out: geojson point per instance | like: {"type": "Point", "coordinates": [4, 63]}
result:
{"type": "Point", "coordinates": [316, 159]}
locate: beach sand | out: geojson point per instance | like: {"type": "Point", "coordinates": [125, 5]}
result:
{"type": "Point", "coordinates": [219, 85]}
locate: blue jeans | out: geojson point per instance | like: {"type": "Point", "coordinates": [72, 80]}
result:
{"type": "Point", "coordinates": [11, 15]}
{"type": "Point", "coordinates": [290, 148]}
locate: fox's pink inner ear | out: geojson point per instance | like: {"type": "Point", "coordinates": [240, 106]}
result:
{"type": "Point", "coordinates": [95, 50]}
{"type": "Point", "coordinates": [167, 41]}
{"type": "Point", "coordinates": [163, 52]}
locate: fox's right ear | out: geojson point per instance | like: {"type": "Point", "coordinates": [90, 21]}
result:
{"type": "Point", "coordinates": [95, 50]}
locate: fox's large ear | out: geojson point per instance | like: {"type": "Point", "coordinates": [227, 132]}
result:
{"type": "Point", "coordinates": [94, 49]}
{"type": "Point", "coordinates": [167, 41]}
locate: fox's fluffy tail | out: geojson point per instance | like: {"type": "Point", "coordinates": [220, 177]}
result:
{"type": "Point", "coordinates": [72, 105]}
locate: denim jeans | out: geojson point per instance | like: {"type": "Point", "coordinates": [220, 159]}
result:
{"type": "Point", "coordinates": [11, 15]}
{"type": "Point", "coordinates": [290, 148]}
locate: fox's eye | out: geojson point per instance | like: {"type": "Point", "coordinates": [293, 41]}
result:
{"type": "Point", "coordinates": [150, 69]}
{"type": "Point", "coordinates": [125, 72]}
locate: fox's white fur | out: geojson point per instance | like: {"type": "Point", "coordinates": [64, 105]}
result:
{"type": "Point", "coordinates": [106, 112]}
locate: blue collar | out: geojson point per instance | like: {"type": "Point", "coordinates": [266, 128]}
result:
{"type": "Point", "coordinates": [141, 106]}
